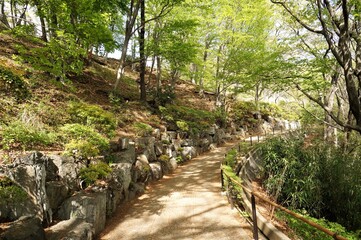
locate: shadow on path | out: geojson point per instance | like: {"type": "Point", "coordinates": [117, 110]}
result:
{"type": "Point", "coordinates": [184, 205]}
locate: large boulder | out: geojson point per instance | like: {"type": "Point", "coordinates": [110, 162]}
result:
{"type": "Point", "coordinates": [120, 145]}
{"type": "Point", "coordinates": [89, 206]}
{"type": "Point", "coordinates": [57, 192]}
{"type": "Point", "coordinates": [142, 172]}
{"type": "Point", "coordinates": [72, 229]}
{"type": "Point", "coordinates": [156, 168]}
{"type": "Point", "coordinates": [68, 169]}
{"type": "Point", "coordinates": [31, 173]}
{"type": "Point", "coordinates": [146, 146]}
{"type": "Point", "coordinates": [126, 155]}
{"type": "Point", "coordinates": [122, 177]}
{"type": "Point", "coordinates": [25, 228]}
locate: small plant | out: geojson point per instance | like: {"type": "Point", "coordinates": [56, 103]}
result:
{"type": "Point", "coordinates": [142, 129]}
{"type": "Point", "coordinates": [182, 126]}
{"type": "Point", "coordinates": [25, 135]}
{"type": "Point", "coordinates": [95, 172]}
{"type": "Point", "coordinates": [164, 158]}
{"type": "Point", "coordinates": [83, 141]}
{"type": "Point", "coordinates": [93, 115]}
{"type": "Point", "coordinates": [81, 149]}
{"type": "Point", "coordinates": [230, 159]}
{"type": "Point", "coordinates": [11, 193]}
{"type": "Point", "coordinates": [13, 84]}
{"type": "Point", "coordinates": [304, 231]}
{"type": "Point", "coordinates": [60, 57]}
{"type": "Point", "coordinates": [165, 142]}
{"type": "Point", "coordinates": [179, 159]}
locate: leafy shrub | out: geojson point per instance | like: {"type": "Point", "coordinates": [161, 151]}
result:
{"type": "Point", "coordinates": [24, 30]}
{"type": "Point", "coordinates": [243, 111]}
{"type": "Point", "coordinates": [81, 149]}
{"type": "Point", "coordinates": [284, 164]}
{"type": "Point", "coordinates": [164, 158]}
{"type": "Point", "coordinates": [231, 158]}
{"type": "Point", "coordinates": [182, 126]}
{"type": "Point", "coordinates": [142, 129]}
{"type": "Point", "coordinates": [196, 120]}
{"type": "Point", "coordinates": [306, 175]}
{"type": "Point", "coordinates": [59, 57]}
{"type": "Point", "coordinates": [83, 141]}
{"type": "Point", "coordinates": [13, 84]}
{"type": "Point", "coordinates": [305, 231]}
{"type": "Point", "coordinates": [11, 193]}
{"type": "Point", "coordinates": [25, 135]}
{"type": "Point", "coordinates": [95, 172]}
{"type": "Point", "coordinates": [93, 115]}
{"type": "Point", "coordinates": [179, 159]}
{"type": "Point", "coordinates": [164, 96]}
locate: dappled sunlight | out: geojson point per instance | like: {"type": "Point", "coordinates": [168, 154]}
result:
{"type": "Point", "coordinates": [185, 205]}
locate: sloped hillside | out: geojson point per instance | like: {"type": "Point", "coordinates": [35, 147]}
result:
{"type": "Point", "coordinates": [40, 111]}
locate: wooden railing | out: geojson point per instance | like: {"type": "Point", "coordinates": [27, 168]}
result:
{"type": "Point", "coordinates": [254, 212]}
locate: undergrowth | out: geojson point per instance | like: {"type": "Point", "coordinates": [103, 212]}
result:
{"type": "Point", "coordinates": [314, 176]}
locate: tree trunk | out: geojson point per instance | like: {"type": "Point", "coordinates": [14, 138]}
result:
{"type": "Point", "coordinates": [131, 17]}
{"type": "Point", "coordinates": [4, 18]}
{"type": "Point", "coordinates": [218, 85]}
{"type": "Point", "coordinates": [151, 70]}
{"type": "Point", "coordinates": [143, 94]}
{"type": "Point", "coordinates": [159, 74]}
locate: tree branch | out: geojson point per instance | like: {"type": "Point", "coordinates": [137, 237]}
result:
{"type": "Point", "coordinates": [336, 119]}
{"type": "Point", "coordinates": [303, 24]}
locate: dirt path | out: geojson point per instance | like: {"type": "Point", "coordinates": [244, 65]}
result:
{"type": "Point", "coordinates": [185, 205]}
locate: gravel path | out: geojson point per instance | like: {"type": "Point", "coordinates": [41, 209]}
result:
{"type": "Point", "coordinates": [184, 205]}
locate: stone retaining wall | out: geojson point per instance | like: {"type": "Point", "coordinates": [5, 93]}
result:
{"type": "Point", "coordinates": [56, 198]}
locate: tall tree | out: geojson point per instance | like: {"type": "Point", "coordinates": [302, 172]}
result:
{"type": "Point", "coordinates": [338, 23]}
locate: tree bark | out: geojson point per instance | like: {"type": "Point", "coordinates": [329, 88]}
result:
{"type": "Point", "coordinates": [131, 17]}
{"type": "Point", "coordinates": [4, 18]}
{"type": "Point", "coordinates": [143, 94]}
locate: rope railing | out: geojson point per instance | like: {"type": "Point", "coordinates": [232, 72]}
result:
{"type": "Point", "coordinates": [293, 214]}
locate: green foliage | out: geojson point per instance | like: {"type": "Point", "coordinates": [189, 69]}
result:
{"type": "Point", "coordinates": [59, 57]}
{"type": "Point", "coordinates": [291, 174]}
{"type": "Point", "coordinates": [305, 231]}
{"type": "Point", "coordinates": [83, 141]}
{"type": "Point", "coordinates": [164, 96]}
{"type": "Point", "coordinates": [163, 158]}
{"type": "Point", "coordinates": [182, 126]}
{"type": "Point", "coordinates": [179, 159]}
{"type": "Point", "coordinates": [305, 173]}
{"type": "Point", "coordinates": [196, 120]}
{"type": "Point", "coordinates": [95, 172]}
{"type": "Point", "coordinates": [93, 115]}
{"type": "Point", "coordinates": [142, 129]}
{"type": "Point", "coordinates": [11, 193]}
{"type": "Point", "coordinates": [81, 149]}
{"type": "Point", "coordinates": [231, 158]}
{"type": "Point", "coordinates": [243, 111]}
{"type": "Point", "coordinates": [18, 133]}
{"type": "Point", "coordinates": [13, 84]}
{"type": "Point", "coordinates": [24, 30]}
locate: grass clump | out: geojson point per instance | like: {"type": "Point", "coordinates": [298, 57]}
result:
{"type": "Point", "coordinates": [302, 230]}
{"type": "Point", "coordinates": [94, 172]}
{"type": "Point", "coordinates": [11, 193]}
{"type": "Point", "coordinates": [231, 158]}
{"type": "Point", "coordinates": [83, 141]}
{"type": "Point", "coordinates": [302, 174]}
{"type": "Point", "coordinates": [12, 84]}
{"type": "Point", "coordinates": [142, 129]}
{"type": "Point", "coordinates": [25, 135]}
{"type": "Point", "coordinates": [188, 119]}
{"type": "Point", "coordinates": [94, 116]}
